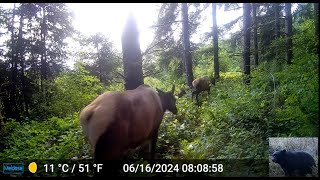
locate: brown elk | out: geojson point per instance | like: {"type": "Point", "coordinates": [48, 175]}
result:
{"type": "Point", "coordinates": [118, 121]}
{"type": "Point", "coordinates": [199, 85]}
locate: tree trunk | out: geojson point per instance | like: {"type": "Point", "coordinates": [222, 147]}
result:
{"type": "Point", "coordinates": [99, 60]}
{"type": "Point", "coordinates": [44, 64]}
{"type": "Point", "coordinates": [316, 22]}
{"type": "Point", "coordinates": [44, 50]}
{"type": "Point", "coordinates": [255, 34]}
{"type": "Point", "coordinates": [246, 42]}
{"type": "Point", "coordinates": [276, 26]}
{"type": "Point", "coordinates": [13, 87]}
{"type": "Point", "coordinates": [181, 68]}
{"type": "Point", "coordinates": [132, 59]}
{"type": "Point", "coordinates": [276, 20]}
{"type": "Point", "coordinates": [215, 42]}
{"type": "Point", "coordinates": [186, 44]}
{"type": "Point", "coordinates": [288, 31]}
{"type": "Point", "coordinates": [20, 49]}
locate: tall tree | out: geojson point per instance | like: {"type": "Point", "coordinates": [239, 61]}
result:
{"type": "Point", "coordinates": [316, 22]}
{"type": "Point", "coordinates": [255, 33]}
{"type": "Point", "coordinates": [277, 19]}
{"type": "Point", "coordinates": [215, 42]}
{"type": "Point", "coordinates": [276, 25]}
{"type": "Point", "coordinates": [50, 24]}
{"type": "Point", "coordinates": [20, 55]}
{"type": "Point", "coordinates": [101, 59]}
{"type": "Point", "coordinates": [36, 50]}
{"type": "Point", "coordinates": [132, 60]}
{"type": "Point", "coordinates": [246, 42]}
{"type": "Point", "coordinates": [43, 34]}
{"type": "Point", "coordinates": [266, 31]}
{"type": "Point", "coordinates": [186, 44]}
{"type": "Point", "coordinates": [167, 46]}
{"type": "Point", "coordinates": [13, 108]}
{"type": "Point", "coordinates": [288, 30]}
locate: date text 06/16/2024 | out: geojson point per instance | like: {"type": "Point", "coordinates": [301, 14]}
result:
{"type": "Point", "coordinates": [167, 168]}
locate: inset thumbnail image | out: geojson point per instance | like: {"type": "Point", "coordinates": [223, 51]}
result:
{"type": "Point", "coordinates": [293, 157]}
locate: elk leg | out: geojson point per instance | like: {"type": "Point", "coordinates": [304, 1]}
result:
{"type": "Point", "coordinates": [192, 96]}
{"type": "Point", "coordinates": [144, 150]}
{"type": "Point", "coordinates": [153, 144]}
{"type": "Point", "coordinates": [197, 98]}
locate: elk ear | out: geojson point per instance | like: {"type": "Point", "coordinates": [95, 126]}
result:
{"type": "Point", "coordinates": [159, 91]}
{"type": "Point", "coordinates": [172, 90]}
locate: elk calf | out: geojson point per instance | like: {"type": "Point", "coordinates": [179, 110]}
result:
{"type": "Point", "coordinates": [199, 85]}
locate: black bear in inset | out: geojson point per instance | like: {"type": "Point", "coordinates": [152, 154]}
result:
{"type": "Point", "coordinates": [294, 163]}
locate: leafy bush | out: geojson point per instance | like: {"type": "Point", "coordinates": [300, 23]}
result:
{"type": "Point", "coordinates": [73, 91]}
{"type": "Point", "coordinates": [52, 139]}
{"type": "Point", "coordinates": [291, 91]}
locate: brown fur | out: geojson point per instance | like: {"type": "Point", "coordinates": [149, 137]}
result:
{"type": "Point", "coordinates": [199, 85]}
{"type": "Point", "coordinates": [117, 121]}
